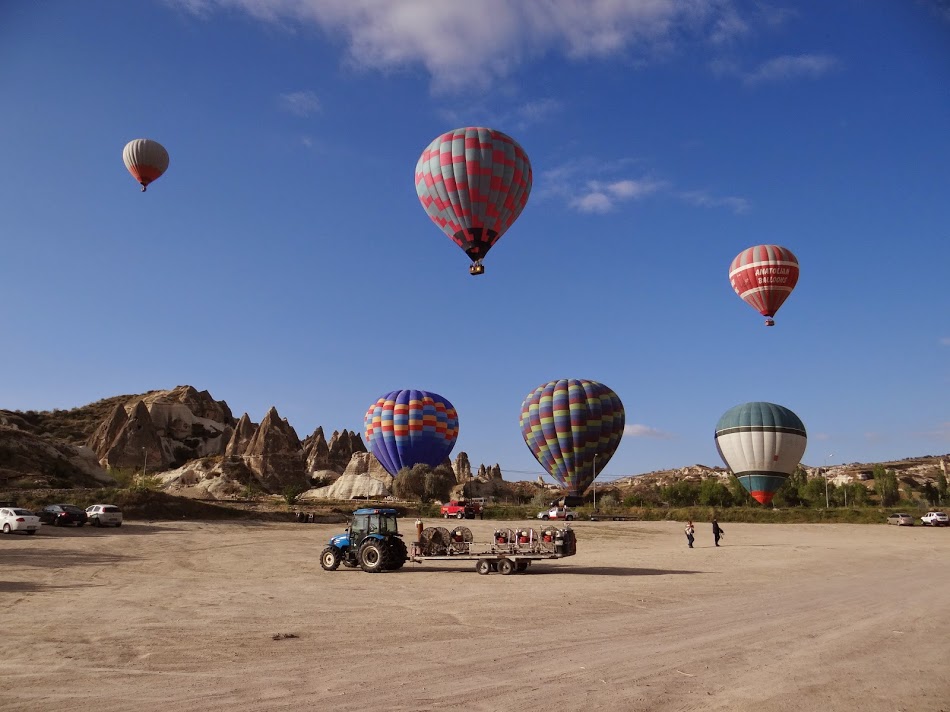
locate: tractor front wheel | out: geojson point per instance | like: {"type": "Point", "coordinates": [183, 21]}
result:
{"type": "Point", "coordinates": [374, 556]}
{"type": "Point", "coordinates": [330, 558]}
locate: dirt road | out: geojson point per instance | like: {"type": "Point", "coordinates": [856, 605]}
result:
{"type": "Point", "coordinates": [177, 616]}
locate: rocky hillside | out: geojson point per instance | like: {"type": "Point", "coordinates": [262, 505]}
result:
{"type": "Point", "coordinates": [194, 446]}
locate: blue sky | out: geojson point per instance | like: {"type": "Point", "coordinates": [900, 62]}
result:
{"type": "Point", "coordinates": [285, 260]}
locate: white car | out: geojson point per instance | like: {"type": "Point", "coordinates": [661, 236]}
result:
{"type": "Point", "coordinates": [101, 515]}
{"type": "Point", "coordinates": [558, 513]}
{"type": "Point", "coordinates": [14, 519]}
{"type": "Point", "coordinates": [936, 519]}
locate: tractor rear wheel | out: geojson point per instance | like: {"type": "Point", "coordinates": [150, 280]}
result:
{"type": "Point", "coordinates": [398, 554]}
{"type": "Point", "coordinates": [374, 556]}
{"type": "Point", "coordinates": [330, 558]}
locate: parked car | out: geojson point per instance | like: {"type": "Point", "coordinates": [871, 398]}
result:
{"type": "Point", "coordinates": [901, 520]}
{"type": "Point", "coordinates": [558, 513]}
{"type": "Point", "coordinates": [101, 515]}
{"type": "Point", "coordinates": [13, 519]}
{"type": "Point", "coordinates": [62, 514]}
{"type": "Point", "coordinates": [936, 519]}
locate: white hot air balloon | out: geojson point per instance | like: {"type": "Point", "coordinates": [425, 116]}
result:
{"type": "Point", "coordinates": [146, 160]}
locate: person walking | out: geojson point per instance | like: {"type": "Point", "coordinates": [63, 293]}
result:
{"type": "Point", "coordinates": [717, 531]}
{"type": "Point", "coordinates": [690, 531]}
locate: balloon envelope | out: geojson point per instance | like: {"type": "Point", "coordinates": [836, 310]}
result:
{"type": "Point", "coordinates": [409, 427]}
{"type": "Point", "coordinates": [473, 182]}
{"type": "Point", "coordinates": [145, 159]}
{"type": "Point", "coordinates": [762, 443]}
{"type": "Point", "coordinates": [763, 276]}
{"type": "Point", "coordinates": [567, 423]}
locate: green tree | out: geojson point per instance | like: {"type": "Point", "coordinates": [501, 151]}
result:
{"type": "Point", "coordinates": [409, 483]}
{"type": "Point", "coordinates": [712, 493]}
{"type": "Point", "coordinates": [941, 487]}
{"type": "Point", "coordinates": [681, 494]}
{"type": "Point", "coordinates": [929, 493]}
{"type": "Point", "coordinates": [437, 484]}
{"type": "Point", "coordinates": [813, 493]}
{"type": "Point", "coordinates": [885, 484]}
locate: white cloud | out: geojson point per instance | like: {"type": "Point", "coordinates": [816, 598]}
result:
{"type": "Point", "coordinates": [600, 197]}
{"type": "Point", "coordinates": [645, 431]}
{"type": "Point", "coordinates": [518, 118]}
{"type": "Point", "coordinates": [819, 436]}
{"type": "Point", "coordinates": [945, 341]}
{"type": "Point", "coordinates": [703, 199]}
{"type": "Point", "coordinates": [460, 47]}
{"type": "Point", "coordinates": [300, 103]}
{"type": "Point", "coordinates": [941, 432]}
{"type": "Point", "coordinates": [789, 67]}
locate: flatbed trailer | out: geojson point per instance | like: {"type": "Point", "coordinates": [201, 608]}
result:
{"type": "Point", "coordinates": [510, 550]}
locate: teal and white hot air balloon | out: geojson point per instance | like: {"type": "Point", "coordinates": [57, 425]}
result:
{"type": "Point", "coordinates": [762, 443]}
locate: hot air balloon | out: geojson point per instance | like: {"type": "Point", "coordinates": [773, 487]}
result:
{"type": "Point", "coordinates": [763, 276]}
{"type": "Point", "coordinates": [146, 160]}
{"type": "Point", "coordinates": [406, 428]}
{"type": "Point", "coordinates": [474, 182]}
{"type": "Point", "coordinates": [762, 443]}
{"type": "Point", "coordinates": [566, 424]}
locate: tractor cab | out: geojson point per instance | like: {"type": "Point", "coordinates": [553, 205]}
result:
{"type": "Point", "coordinates": [369, 522]}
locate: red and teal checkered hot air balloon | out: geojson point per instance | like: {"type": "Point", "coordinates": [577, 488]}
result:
{"type": "Point", "coordinates": [763, 277]}
{"type": "Point", "coordinates": [567, 423]}
{"type": "Point", "coordinates": [474, 182]}
{"type": "Point", "coordinates": [409, 427]}
{"type": "Point", "coordinates": [762, 443]}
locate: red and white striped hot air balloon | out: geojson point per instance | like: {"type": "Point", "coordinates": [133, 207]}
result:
{"type": "Point", "coordinates": [146, 160]}
{"type": "Point", "coordinates": [763, 276]}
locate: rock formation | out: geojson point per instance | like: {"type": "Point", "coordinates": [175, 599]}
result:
{"type": "Point", "coordinates": [316, 452]}
{"type": "Point", "coordinates": [275, 456]}
{"type": "Point", "coordinates": [462, 468]}
{"type": "Point", "coordinates": [241, 437]}
{"type": "Point", "coordinates": [172, 427]}
{"type": "Point", "coordinates": [342, 447]}
{"type": "Point", "coordinates": [211, 477]}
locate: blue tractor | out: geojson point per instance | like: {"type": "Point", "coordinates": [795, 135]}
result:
{"type": "Point", "coordinates": [372, 542]}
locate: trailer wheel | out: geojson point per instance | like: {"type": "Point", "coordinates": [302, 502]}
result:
{"type": "Point", "coordinates": [374, 556]}
{"type": "Point", "coordinates": [522, 566]}
{"type": "Point", "coordinates": [330, 558]}
{"type": "Point", "coordinates": [506, 567]}
{"type": "Point", "coordinates": [483, 566]}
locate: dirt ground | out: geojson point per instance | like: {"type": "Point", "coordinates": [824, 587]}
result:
{"type": "Point", "coordinates": [177, 616]}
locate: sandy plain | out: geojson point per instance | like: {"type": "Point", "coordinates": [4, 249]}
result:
{"type": "Point", "coordinates": [178, 616]}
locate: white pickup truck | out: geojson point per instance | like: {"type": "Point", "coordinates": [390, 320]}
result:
{"type": "Point", "coordinates": [564, 513]}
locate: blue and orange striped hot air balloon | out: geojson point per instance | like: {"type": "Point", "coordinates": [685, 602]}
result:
{"type": "Point", "coordinates": [567, 423]}
{"type": "Point", "coordinates": [473, 182]}
{"type": "Point", "coordinates": [762, 443]}
{"type": "Point", "coordinates": [763, 276]}
{"type": "Point", "coordinates": [411, 427]}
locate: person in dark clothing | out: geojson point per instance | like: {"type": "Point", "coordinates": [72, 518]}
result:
{"type": "Point", "coordinates": [717, 531]}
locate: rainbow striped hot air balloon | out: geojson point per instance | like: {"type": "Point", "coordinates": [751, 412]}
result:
{"type": "Point", "coordinates": [567, 423]}
{"type": "Point", "coordinates": [473, 182]}
{"type": "Point", "coordinates": [762, 443]}
{"type": "Point", "coordinates": [409, 427]}
{"type": "Point", "coordinates": [763, 276]}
